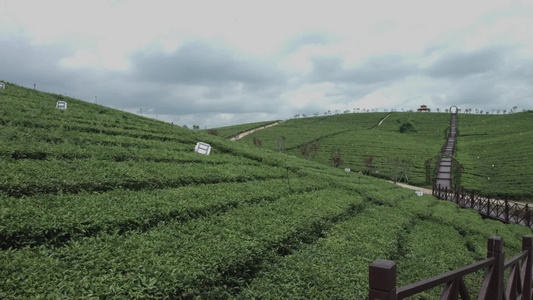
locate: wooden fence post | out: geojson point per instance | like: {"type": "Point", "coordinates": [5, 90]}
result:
{"type": "Point", "coordinates": [527, 244]}
{"type": "Point", "coordinates": [488, 206]}
{"type": "Point", "coordinates": [528, 217]}
{"type": "Point", "coordinates": [497, 206]}
{"type": "Point", "coordinates": [506, 211]}
{"type": "Point", "coordinates": [495, 249]}
{"type": "Point", "coordinates": [472, 197]}
{"type": "Point", "coordinates": [382, 280]}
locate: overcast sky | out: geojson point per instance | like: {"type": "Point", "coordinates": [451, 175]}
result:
{"type": "Point", "coordinates": [218, 63]}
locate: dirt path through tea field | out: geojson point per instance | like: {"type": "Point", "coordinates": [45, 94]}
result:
{"type": "Point", "coordinates": [415, 188]}
{"type": "Point", "coordinates": [240, 136]}
{"type": "Point", "coordinates": [427, 191]}
{"type": "Point", "coordinates": [379, 124]}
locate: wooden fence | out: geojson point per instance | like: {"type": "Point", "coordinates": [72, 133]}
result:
{"type": "Point", "coordinates": [503, 210]}
{"type": "Point", "coordinates": [382, 277]}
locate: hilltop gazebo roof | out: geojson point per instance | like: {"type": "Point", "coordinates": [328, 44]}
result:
{"type": "Point", "coordinates": [424, 107]}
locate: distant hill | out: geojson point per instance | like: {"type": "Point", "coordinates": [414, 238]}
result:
{"type": "Point", "coordinates": [409, 139]}
{"type": "Point", "coordinates": [496, 153]}
{"type": "Point", "coordinates": [99, 203]}
{"type": "Point", "coordinates": [235, 130]}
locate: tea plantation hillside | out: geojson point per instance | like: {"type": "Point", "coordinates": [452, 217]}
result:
{"type": "Point", "coordinates": [494, 149]}
{"type": "Point", "coordinates": [496, 153]}
{"type": "Point", "coordinates": [358, 136]}
{"type": "Point", "coordinates": [96, 203]}
{"type": "Point", "coordinates": [232, 131]}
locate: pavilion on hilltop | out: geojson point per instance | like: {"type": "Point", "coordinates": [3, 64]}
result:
{"type": "Point", "coordinates": [423, 108]}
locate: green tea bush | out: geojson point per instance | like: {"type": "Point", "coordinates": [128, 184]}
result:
{"type": "Point", "coordinates": [97, 203]}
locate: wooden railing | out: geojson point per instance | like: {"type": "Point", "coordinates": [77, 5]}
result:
{"type": "Point", "coordinates": [382, 277]}
{"type": "Point", "coordinates": [503, 210]}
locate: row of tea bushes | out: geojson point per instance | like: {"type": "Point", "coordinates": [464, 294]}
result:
{"type": "Point", "coordinates": [205, 257]}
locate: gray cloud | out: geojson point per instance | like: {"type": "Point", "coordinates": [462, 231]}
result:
{"type": "Point", "coordinates": [201, 80]}
{"type": "Point", "coordinates": [520, 70]}
{"type": "Point", "coordinates": [489, 78]}
{"type": "Point", "coordinates": [381, 69]}
{"type": "Point", "coordinates": [193, 103]}
{"type": "Point", "coordinates": [198, 78]}
{"type": "Point", "coordinates": [461, 64]}
{"type": "Point", "coordinates": [307, 38]}
{"type": "Point", "coordinates": [26, 64]}
{"type": "Point", "coordinates": [475, 91]}
{"type": "Point", "coordinates": [202, 84]}
{"type": "Point", "coordinates": [199, 63]}
{"type": "Point", "coordinates": [350, 91]}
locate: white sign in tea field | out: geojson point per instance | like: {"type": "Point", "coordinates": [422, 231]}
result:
{"type": "Point", "coordinates": [202, 148]}
{"type": "Point", "coordinates": [61, 105]}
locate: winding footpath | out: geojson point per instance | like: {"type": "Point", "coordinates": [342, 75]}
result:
{"type": "Point", "coordinates": [240, 136]}
{"type": "Point", "coordinates": [379, 124]}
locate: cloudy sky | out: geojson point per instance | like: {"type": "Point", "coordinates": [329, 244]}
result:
{"type": "Point", "coordinates": [218, 63]}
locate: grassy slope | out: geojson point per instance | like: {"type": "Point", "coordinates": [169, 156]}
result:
{"type": "Point", "coordinates": [97, 203]}
{"type": "Point", "coordinates": [495, 151]}
{"type": "Point", "coordinates": [484, 140]}
{"type": "Point", "coordinates": [309, 129]}
{"type": "Point", "coordinates": [357, 135]}
{"type": "Point", "coordinates": [231, 131]}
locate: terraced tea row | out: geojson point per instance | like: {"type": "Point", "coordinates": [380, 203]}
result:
{"type": "Point", "coordinates": [357, 136]}
{"type": "Point", "coordinates": [385, 149]}
{"type": "Point", "coordinates": [51, 219]}
{"type": "Point", "coordinates": [495, 152]}
{"type": "Point", "coordinates": [204, 257]}
{"type": "Point", "coordinates": [27, 106]}
{"type": "Point", "coordinates": [115, 151]}
{"type": "Point", "coordinates": [335, 266]}
{"type": "Point", "coordinates": [30, 177]}
{"type": "Point", "coordinates": [299, 131]}
{"type": "Point", "coordinates": [424, 236]}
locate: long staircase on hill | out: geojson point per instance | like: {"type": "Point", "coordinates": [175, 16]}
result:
{"type": "Point", "coordinates": [444, 165]}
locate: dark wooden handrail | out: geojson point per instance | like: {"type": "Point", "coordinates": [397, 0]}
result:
{"type": "Point", "coordinates": [502, 210]}
{"type": "Point", "coordinates": [382, 277]}
{"type": "Point", "coordinates": [424, 285]}
{"type": "Point", "coordinates": [515, 259]}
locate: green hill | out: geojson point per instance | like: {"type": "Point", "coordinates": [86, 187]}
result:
{"type": "Point", "coordinates": [358, 136]}
{"type": "Point", "coordinates": [232, 131]}
{"type": "Point", "coordinates": [494, 149]}
{"type": "Point", "coordinates": [98, 203]}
